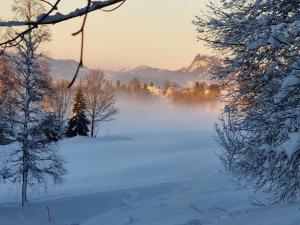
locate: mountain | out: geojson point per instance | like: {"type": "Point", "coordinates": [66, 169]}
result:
{"type": "Point", "coordinates": [64, 68]}
{"type": "Point", "coordinates": [148, 74]}
{"type": "Point", "coordinates": [200, 69]}
{"type": "Point", "coordinates": [203, 64]}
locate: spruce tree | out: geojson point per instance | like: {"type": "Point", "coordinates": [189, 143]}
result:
{"type": "Point", "coordinates": [78, 123]}
{"type": "Point", "coordinates": [51, 128]}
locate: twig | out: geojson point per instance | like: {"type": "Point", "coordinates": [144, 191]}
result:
{"type": "Point", "coordinates": [81, 31]}
{"type": "Point", "coordinates": [49, 3]}
{"type": "Point", "coordinates": [113, 9]}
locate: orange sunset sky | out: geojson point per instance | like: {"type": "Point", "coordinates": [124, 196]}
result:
{"type": "Point", "coordinates": [156, 33]}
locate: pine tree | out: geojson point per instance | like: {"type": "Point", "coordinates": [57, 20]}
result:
{"type": "Point", "coordinates": [118, 85]}
{"type": "Point", "coordinates": [145, 87]}
{"type": "Point", "coordinates": [51, 128]}
{"type": "Point", "coordinates": [261, 42]}
{"type": "Point", "coordinates": [78, 123]}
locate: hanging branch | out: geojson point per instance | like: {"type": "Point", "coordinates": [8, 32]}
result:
{"type": "Point", "coordinates": [81, 31]}
{"type": "Point", "coordinates": [49, 3]}
{"type": "Point", "coordinates": [110, 10]}
{"type": "Point", "coordinates": [50, 19]}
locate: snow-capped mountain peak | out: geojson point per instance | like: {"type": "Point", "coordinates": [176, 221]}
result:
{"type": "Point", "coordinates": [203, 63]}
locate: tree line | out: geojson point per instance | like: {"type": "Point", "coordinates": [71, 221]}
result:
{"type": "Point", "coordinates": [194, 94]}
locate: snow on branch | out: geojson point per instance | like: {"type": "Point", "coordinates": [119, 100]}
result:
{"type": "Point", "coordinates": [49, 18]}
{"type": "Point", "coordinates": [46, 18]}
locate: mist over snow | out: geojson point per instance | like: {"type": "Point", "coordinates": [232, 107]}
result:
{"type": "Point", "coordinates": [159, 115]}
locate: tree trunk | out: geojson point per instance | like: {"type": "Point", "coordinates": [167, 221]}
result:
{"type": "Point", "coordinates": [92, 126]}
{"type": "Point", "coordinates": [24, 187]}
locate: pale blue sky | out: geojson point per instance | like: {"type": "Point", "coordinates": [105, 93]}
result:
{"type": "Point", "coordinates": [158, 33]}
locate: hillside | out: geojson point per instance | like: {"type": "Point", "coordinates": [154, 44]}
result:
{"type": "Point", "coordinates": [63, 68]}
{"type": "Point", "coordinates": [146, 179]}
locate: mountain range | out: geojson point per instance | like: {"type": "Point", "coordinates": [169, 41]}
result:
{"type": "Point", "coordinates": [200, 69]}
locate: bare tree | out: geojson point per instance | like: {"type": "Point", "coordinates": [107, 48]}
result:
{"type": "Point", "coordinates": [100, 99]}
{"type": "Point", "coordinates": [33, 160]}
{"type": "Point", "coordinates": [59, 101]}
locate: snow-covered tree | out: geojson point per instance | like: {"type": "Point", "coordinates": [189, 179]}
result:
{"type": "Point", "coordinates": [78, 122]}
{"type": "Point", "coordinates": [261, 42]}
{"type": "Point", "coordinates": [32, 159]}
{"type": "Point", "coordinates": [100, 99]}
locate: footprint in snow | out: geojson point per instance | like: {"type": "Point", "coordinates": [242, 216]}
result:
{"type": "Point", "coordinates": [126, 202]}
{"type": "Point", "coordinates": [132, 220]}
{"type": "Point", "coordinates": [193, 222]}
{"type": "Point", "coordinates": [160, 205]}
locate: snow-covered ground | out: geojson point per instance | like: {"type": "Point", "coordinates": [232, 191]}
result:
{"type": "Point", "coordinates": [151, 168]}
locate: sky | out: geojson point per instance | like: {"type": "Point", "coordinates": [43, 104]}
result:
{"type": "Point", "coordinates": [157, 33]}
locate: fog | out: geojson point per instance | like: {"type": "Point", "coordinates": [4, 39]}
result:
{"type": "Point", "coordinates": [159, 115]}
